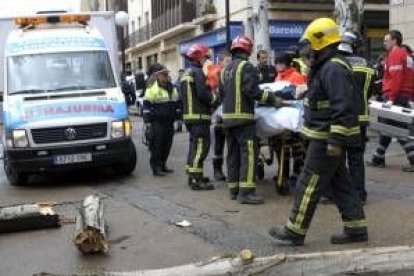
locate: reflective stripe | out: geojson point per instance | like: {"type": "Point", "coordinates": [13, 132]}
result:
{"type": "Point", "coordinates": [319, 104]}
{"type": "Point", "coordinates": [189, 79]}
{"type": "Point", "coordinates": [314, 133]}
{"type": "Point", "coordinates": [247, 185]}
{"type": "Point", "coordinates": [396, 68]}
{"type": "Point", "coordinates": [197, 158]}
{"type": "Point", "coordinates": [305, 203]}
{"type": "Point", "coordinates": [265, 96]}
{"type": "Point", "coordinates": [233, 185]}
{"type": "Point", "coordinates": [295, 229]}
{"type": "Point", "coordinates": [238, 87]}
{"type": "Point", "coordinates": [340, 61]}
{"type": "Point", "coordinates": [282, 163]}
{"type": "Point", "coordinates": [238, 116]}
{"type": "Point", "coordinates": [369, 73]}
{"type": "Point", "coordinates": [195, 170]}
{"type": "Point", "coordinates": [364, 118]}
{"type": "Point", "coordinates": [157, 94]}
{"type": "Point", "coordinates": [214, 99]}
{"type": "Point", "coordinates": [196, 117]}
{"type": "Point", "coordinates": [250, 164]}
{"type": "Point", "coordinates": [355, 224]}
{"type": "Point", "coordinates": [345, 131]}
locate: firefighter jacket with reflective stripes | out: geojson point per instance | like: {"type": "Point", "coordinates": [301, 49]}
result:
{"type": "Point", "coordinates": [398, 74]}
{"type": "Point", "coordinates": [198, 99]}
{"type": "Point", "coordinates": [332, 104]}
{"type": "Point", "coordinates": [161, 103]}
{"type": "Point", "coordinates": [239, 89]}
{"type": "Point", "coordinates": [364, 81]}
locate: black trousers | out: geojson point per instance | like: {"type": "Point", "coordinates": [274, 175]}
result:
{"type": "Point", "coordinates": [356, 164]}
{"type": "Point", "coordinates": [319, 170]}
{"type": "Point", "coordinates": [199, 146]}
{"type": "Point", "coordinates": [385, 141]}
{"type": "Point", "coordinates": [242, 157]}
{"type": "Point", "coordinates": [161, 142]}
{"type": "Point", "coordinates": [219, 141]}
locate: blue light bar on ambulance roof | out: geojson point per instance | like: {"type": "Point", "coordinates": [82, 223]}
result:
{"type": "Point", "coordinates": [64, 18]}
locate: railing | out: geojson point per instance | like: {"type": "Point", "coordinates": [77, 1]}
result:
{"type": "Point", "coordinates": [141, 35]}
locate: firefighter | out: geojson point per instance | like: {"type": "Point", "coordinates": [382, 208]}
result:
{"type": "Point", "coordinates": [218, 128]}
{"type": "Point", "coordinates": [398, 89]}
{"type": "Point", "coordinates": [239, 90]}
{"type": "Point", "coordinates": [161, 108]}
{"type": "Point", "coordinates": [267, 72]}
{"type": "Point", "coordinates": [364, 78]}
{"type": "Point", "coordinates": [198, 102]}
{"type": "Point", "coordinates": [297, 61]}
{"type": "Point", "coordinates": [331, 125]}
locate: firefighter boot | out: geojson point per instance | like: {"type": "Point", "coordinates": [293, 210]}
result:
{"type": "Point", "coordinates": [218, 169]}
{"type": "Point", "coordinates": [248, 196]}
{"type": "Point", "coordinates": [234, 192]}
{"type": "Point", "coordinates": [284, 236]}
{"type": "Point", "coordinates": [196, 184]}
{"type": "Point", "coordinates": [345, 238]}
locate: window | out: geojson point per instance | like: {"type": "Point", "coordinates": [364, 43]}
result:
{"type": "Point", "coordinates": [151, 59]}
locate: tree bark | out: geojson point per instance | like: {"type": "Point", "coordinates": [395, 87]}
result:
{"type": "Point", "coordinates": [90, 234]}
{"type": "Point", "coordinates": [27, 217]}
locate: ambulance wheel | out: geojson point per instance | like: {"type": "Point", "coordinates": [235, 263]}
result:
{"type": "Point", "coordinates": [127, 167]}
{"type": "Point", "coordinates": [14, 177]}
{"type": "Point", "coordinates": [260, 171]}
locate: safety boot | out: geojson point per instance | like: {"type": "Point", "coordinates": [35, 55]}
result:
{"type": "Point", "coordinates": [345, 238]}
{"type": "Point", "coordinates": [218, 169]}
{"type": "Point", "coordinates": [283, 236]}
{"type": "Point", "coordinates": [248, 196]}
{"type": "Point", "coordinates": [165, 169]}
{"type": "Point", "coordinates": [375, 164]}
{"type": "Point", "coordinates": [158, 172]}
{"type": "Point", "coordinates": [197, 184]}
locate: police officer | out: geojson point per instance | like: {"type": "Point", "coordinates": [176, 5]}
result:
{"type": "Point", "coordinates": [161, 108]}
{"type": "Point", "coordinates": [198, 102]}
{"type": "Point", "coordinates": [331, 125]}
{"type": "Point", "coordinates": [364, 78]}
{"type": "Point", "coordinates": [239, 89]}
{"type": "Point", "coordinates": [267, 72]}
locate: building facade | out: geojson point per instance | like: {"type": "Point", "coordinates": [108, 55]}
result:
{"type": "Point", "coordinates": [161, 30]}
{"type": "Point", "coordinates": [402, 18]}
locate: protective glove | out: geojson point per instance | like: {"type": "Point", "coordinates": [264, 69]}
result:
{"type": "Point", "coordinates": [333, 150]}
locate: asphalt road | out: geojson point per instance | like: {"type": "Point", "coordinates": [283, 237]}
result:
{"type": "Point", "coordinates": [141, 212]}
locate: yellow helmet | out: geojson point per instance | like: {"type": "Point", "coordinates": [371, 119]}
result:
{"type": "Point", "coordinates": [321, 33]}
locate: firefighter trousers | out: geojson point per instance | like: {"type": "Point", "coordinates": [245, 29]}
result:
{"type": "Point", "coordinates": [320, 170]}
{"type": "Point", "coordinates": [160, 144]}
{"type": "Point", "coordinates": [199, 146]}
{"type": "Point", "coordinates": [219, 141]}
{"type": "Point", "coordinates": [242, 157]}
{"type": "Point", "coordinates": [356, 165]}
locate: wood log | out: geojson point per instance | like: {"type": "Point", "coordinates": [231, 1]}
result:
{"type": "Point", "coordinates": [369, 261]}
{"type": "Point", "coordinates": [27, 217]}
{"type": "Point", "coordinates": [90, 236]}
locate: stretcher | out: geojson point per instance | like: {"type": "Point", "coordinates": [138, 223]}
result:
{"type": "Point", "coordinates": [392, 120]}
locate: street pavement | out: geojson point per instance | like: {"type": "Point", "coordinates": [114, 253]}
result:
{"type": "Point", "coordinates": [141, 212]}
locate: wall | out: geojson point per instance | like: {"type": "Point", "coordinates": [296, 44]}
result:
{"type": "Point", "coordinates": [137, 9]}
{"type": "Point", "coordinates": [402, 18]}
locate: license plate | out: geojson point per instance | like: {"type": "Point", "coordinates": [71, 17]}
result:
{"type": "Point", "coordinates": [72, 158]}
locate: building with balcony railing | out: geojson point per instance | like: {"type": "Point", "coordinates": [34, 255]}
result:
{"type": "Point", "coordinates": [161, 30]}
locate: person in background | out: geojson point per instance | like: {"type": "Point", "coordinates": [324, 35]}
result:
{"type": "Point", "coordinates": [161, 108]}
{"type": "Point", "coordinates": [218, 127]}
{"type": "Point", "coordinates": [267, 72]}
{"type": "Point", "coordinates": [297, 61]}
{"type": "Point", "coordinates": [398, 89]}
{"type": "Point", "coordinates": [128, 90]}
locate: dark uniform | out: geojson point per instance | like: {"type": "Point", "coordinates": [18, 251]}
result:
{"type": "Point", "coordinates": [198, 103]}
{"type": "Point", "coordinates": [266, 73]}
{"type": "Point", "coordinates": [239, 90]}
{"type": "Point", "coordinates": [364, 79]}
{"type": "Point", "coordinates": [331, 117]}
{"type": "Point", "coordinates": [160, 109]}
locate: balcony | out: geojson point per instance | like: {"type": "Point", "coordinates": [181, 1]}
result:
{"type": "Point", "coordinates": [139, 36]}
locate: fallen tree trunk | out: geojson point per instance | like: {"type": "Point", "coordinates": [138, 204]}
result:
{"type": "Point", "coordinates": [378, 261]}
{"type": "Point", "coordinates": [90, 234]}
{"type": "Point", "coordinates": [27, 217]}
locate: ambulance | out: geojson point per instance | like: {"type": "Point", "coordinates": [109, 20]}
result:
{"type": "Point", "coordinates": [63, 108]}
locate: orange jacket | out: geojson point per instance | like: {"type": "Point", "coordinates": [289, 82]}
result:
{"type": "Point", "coordinates": [213, 75]}
{"type": "Point", "coordinates": [291, 75]}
